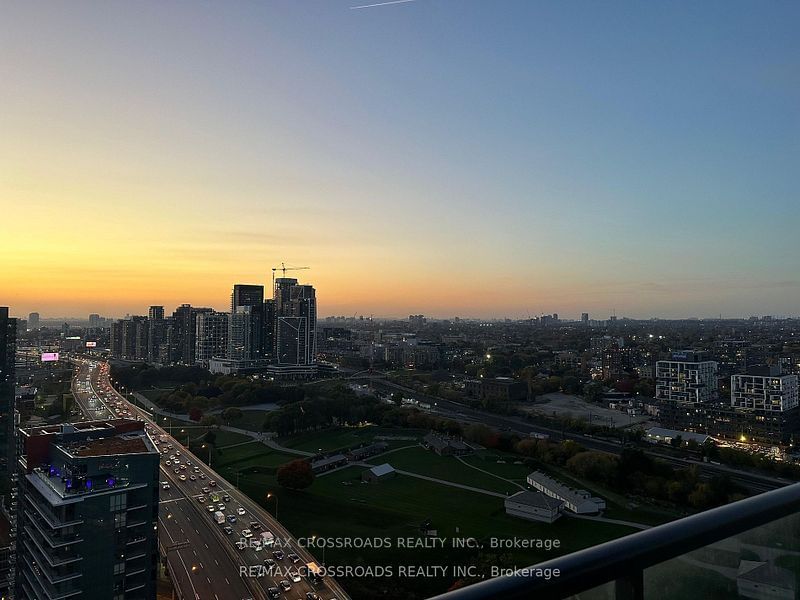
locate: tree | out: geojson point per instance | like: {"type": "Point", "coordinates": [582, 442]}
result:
{"type": "Point", "coordinates": [295, 475]}
{"type": "Point", "coordinates": [231, 414]}
{"type": "Point", "coordinates": [210, 421]}
{"type": "Point", "coordinates": [195, 414]}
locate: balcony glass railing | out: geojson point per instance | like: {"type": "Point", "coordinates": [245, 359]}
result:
{"type": "Point", "coordinates": [747, 549]}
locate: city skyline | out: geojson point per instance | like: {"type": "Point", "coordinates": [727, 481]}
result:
{"type": "Point", "coordinates": [421, 157]}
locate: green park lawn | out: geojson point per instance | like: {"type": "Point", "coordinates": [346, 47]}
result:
{"type": "Point", "coordinates": [396, 508]}
{"type": "Point", "coordinates": [448, 468]}
{"type": "Point", "coordinates": [341, 438]}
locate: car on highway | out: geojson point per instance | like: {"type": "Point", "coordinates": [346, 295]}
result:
{"type": "Point", "coordinates": [294, 576]}
{"type": "Point", "coordinates": [192, 478]}
{"type": "Point", "coordinates": [246, 533]}
{"type": "Point", "coordinates": [278, 555]}
{"type": "Point", "coordinates": [312, 596]}
{"type": "Point", "coordinates": [176, 471]}
{"type": "Point", "coordinates": [201, 499]}
{"type": "Point", "coordinates": [206, 490]}
{"type": "Point", "coordinates": [256, 545]}
{"type": "Point", "coordinates": [212, 483]}
{"type": "Point", "coordinates": [228, 529]}
{"type": "Point", "coordinates": [270, 562]}
{"type": "Point", "coordinates": [255, 525]}
{"type": "Point", "coordinates": [168, 463]}
{"type": "Point", "coordinates": [231, 519]}
{"type": "Point", "coordinates": [285, 585]}
{"type": "Point", "coordinates": [202, 475]}
{"type": "Point", "coordinates": [273, 593]}
{"type": "Point", "coordinates": [211, 508]}
{"type": "Point", "coordinates": [182, 477]}
{"type": "Point", "coordinates": [164, 485]}
{"type": "Point", "coordinates": [293, 557]}
{"type": "Point", "coordinates": [241, 544]}
{"type": "Point", "coordinates": [226, 498]}
{"type": "Point", "coordinates": [220, 506]}
{"type": "Point", "coordinates": [240, 511]}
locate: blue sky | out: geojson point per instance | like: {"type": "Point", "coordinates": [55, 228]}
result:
{"type": "Point", "coordinates": [578, 155]}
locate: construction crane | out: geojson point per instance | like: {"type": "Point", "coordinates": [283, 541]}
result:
{"type": "Point", "coordinates": [283, 268]}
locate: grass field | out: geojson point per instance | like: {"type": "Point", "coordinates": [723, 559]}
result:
{"type": "Point", "coordinates": [252, 420]}
{"type": "Point", "coordinates": [448, 468]}
{"type": "Point", "coordinates": [337, 439]}
{"type": "Point", "coordinates": [398, 506]}
{"type": "Point", "coordinates": [339, 505]}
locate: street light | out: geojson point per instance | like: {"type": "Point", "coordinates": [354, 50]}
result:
{"type": "Point", "coordinates": [313, 538]}
{"type": "Point", "coordinates": [271, 495]}
{"type": "Point", "coordinates": [209, 454]}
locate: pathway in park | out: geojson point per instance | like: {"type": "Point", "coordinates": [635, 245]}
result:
{"type": "Point", "coordinates": [437, 480]}
{"type": "Point", "coordinates": [462, 461]}
{"type": "Point", "coordinates": [633, 524]}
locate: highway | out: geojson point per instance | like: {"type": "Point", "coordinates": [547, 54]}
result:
{"type": "Point", "coordinates": [208, 560]}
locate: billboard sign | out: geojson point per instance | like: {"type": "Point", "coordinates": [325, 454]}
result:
{"type": "Point", "coordinates": [91, 344]}
{"type": "Point", "coordinates": [49, 356]}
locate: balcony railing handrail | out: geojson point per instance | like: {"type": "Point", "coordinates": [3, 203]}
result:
{"type": "Point", "coordinates": [625, 559]}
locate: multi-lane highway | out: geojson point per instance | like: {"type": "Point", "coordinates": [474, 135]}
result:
{"type": "Point", "coordinates": [208, 559]}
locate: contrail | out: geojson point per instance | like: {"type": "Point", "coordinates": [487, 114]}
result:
{"type": "Point", "coordinates": [381, 4]}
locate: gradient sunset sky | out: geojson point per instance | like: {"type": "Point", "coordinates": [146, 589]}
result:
{"type": "Point", "coordinates": [451, 157]}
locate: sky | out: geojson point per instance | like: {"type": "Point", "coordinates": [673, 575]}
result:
{"type": "Point", "coordinates": [482, 158]}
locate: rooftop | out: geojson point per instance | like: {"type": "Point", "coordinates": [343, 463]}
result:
{"type": "Point", "coordinates": [535, 499]}
{"type": "Point", "coordinates": [562, 491]}
{"type": "Point", "coordinates": [383, 469]}
{"type": "Point", "coordinates": [129, 444]}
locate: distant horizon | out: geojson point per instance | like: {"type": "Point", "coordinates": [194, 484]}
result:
{"type": "Point", "coordinates": [562, 316]}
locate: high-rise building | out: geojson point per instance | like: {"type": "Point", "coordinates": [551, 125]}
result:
{"type": "Point", "coordinates": [88, 499]}
{"type": "Point", "coordinates": [688, 377]}
{"type": "Point", "coordinates": [130, 338]}
{"type": "Point", "coordinates": [248, 324]}
{"type": "Point", "coordinates": [246, 295]}
{"type": "Point", "coordinates": [282, 292]}
{"type": "Point", "coordinates": [115, 338]}
{"type": "Point", "coordinates": [585, 318]}
{"type": "Point", "coordinates": [8, 348]}
{"type": "Point", "coordinates": [159, 340]}
{"type": "Point", "coordinates": [156, 313]}
{"type": "Point", "coordinates": [8, 336]}
{"type": "Point", "coordinates": [764, 389]}
{"type": "Point", "coordinates": [212, 337]}
{"type": "Point", "coordinates": [33, 321]}
{"type": "Point", "coordinates": [296, 323]}
{"type": "Point", "coordinates": [94, 321]}
{"type": "Point", "coordinates": [184, 333]}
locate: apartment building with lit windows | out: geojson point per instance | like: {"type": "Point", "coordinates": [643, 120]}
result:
{"type": "Point", "coordinates": [88, 512]}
